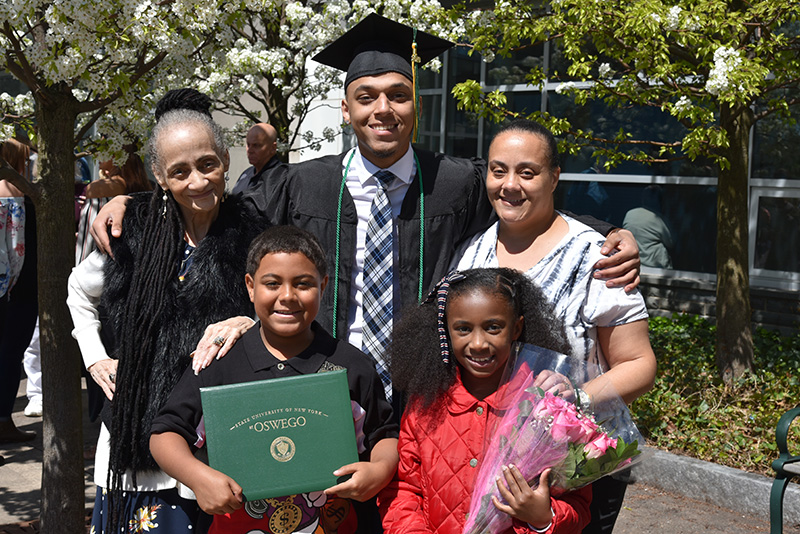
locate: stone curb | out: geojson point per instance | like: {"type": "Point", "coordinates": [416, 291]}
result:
{"type": "Point", "coordinates": [726, 487]}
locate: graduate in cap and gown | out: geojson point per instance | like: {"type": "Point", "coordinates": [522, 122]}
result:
{"type": "Point", "coordinates": [437, 201]}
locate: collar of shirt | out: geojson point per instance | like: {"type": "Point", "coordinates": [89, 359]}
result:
{"type": "Point", "coordinates": [404, 169]}
{"type": "Point", "coordinates": [462, 401]}
{"type": "Point", "coordinates": [307, 362]}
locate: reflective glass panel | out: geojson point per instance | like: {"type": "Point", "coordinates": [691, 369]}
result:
{"type": "Point", "coordinates": [461, 133]}
{"type": "Point", "coordinates": [513, 69]}
{"type": "Point", "coordinates": [775, 143]}
{"type": "Point", "coordinates": [430, 122]}
{"type": "Point", "coordinates": [642, 123]}
{"type": "Point", "coordinates": [463, 67]}
{"type": "Point", "coordinates": [777, 244]}
{"type": "Point", "coordinates": [677, 222]}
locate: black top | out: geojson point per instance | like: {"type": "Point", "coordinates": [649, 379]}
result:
{"type": "Point", "coordinates": [248, 181]}
{"type": "Point", "coordinates": [249, 361]}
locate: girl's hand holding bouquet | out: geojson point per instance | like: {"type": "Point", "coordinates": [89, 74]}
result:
{"type": "Point", "coordinates": [546, 430]}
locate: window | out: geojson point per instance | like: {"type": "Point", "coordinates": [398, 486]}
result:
{"type": "Point", "coordinates": [686, 190]}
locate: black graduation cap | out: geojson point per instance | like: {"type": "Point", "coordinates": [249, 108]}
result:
{"type": "Point", "coordinates": [377, 45]}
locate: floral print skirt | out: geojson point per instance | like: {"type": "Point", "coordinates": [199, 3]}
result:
{"type": "Point", "coordinates": [148, 511]}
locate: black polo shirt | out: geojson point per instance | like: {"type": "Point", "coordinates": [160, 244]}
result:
{"type": "Point", "coordinates": [249, 361]}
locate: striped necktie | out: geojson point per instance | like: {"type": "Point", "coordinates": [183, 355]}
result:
{"type": "Point", "coordinates": [378, 273]}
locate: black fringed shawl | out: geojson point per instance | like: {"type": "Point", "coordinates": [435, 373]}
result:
{"type": "Point", "coordinates": [212, 290]}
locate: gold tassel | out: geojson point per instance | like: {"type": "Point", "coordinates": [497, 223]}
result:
{"type": "Point", "coordinates": [414, 61]}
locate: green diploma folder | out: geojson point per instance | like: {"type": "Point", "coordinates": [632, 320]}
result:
{"type": "Point", "coordinates": [282, 436]}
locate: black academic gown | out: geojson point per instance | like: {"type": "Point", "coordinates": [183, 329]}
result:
{"type": "Point", "coordinates": [455, 208]}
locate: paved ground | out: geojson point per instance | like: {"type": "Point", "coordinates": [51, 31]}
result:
{"type": "Point", "coordinates": [646, 510]}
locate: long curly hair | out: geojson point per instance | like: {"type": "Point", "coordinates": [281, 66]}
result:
{"type": "Point", "coordinates": [415, 355]}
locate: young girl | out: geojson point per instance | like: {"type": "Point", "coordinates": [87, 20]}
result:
{"type": "Point", "coordinates": [449, 356]}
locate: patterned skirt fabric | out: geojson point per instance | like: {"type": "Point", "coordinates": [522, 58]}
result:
{"type": "Point", "coordinates": [148, 511]}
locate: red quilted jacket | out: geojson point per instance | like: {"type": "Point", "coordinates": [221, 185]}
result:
{"type": "Point", "coordinates": [432, 489]}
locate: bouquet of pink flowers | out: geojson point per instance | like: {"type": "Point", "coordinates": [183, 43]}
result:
{"type": "Point", "coordinates": [543, 425]}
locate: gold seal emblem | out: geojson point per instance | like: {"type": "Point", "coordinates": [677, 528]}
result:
{"type": "Point", "coordinates": [285, 518]}
{"type": "Point", "coordinates": [282, 449]}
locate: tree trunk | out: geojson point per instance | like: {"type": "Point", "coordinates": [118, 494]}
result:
{"type": "Point", "coordinates": [734, 328]}
{"type": "Point", "coordinates": [63, 507]}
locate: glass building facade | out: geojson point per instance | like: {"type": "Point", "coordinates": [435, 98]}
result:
{"type": "Point", "coordinates": [686, 190]}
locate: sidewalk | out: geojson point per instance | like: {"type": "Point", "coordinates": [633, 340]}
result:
{"type": "Point", "coordinates": [21, 476]}
{"type": "Point", "coordinates": [673, 494]}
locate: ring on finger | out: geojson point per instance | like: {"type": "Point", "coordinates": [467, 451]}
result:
{"type": "Point", "coordinates": [112, 377]}
{"type": "Point", "coordinates": [218, 341]}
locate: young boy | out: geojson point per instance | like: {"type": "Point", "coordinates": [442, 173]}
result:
{"type": "Point", "coordinates": [286, 274]}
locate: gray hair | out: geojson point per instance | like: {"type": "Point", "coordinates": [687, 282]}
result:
{"type": "Point", "coordinates": [181, 117]}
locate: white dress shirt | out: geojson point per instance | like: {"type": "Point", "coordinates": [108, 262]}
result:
{"type": "Point", "coordinates": [362, 187]}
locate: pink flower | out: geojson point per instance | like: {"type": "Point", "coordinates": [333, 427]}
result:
{"type": "Point", "coordinates": [598, 446]}
{"type": "Point", "coordinates": [20, 249]}
{"type": "Point", "coordinates": [566, 423]}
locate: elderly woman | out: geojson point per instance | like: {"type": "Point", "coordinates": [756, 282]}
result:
{"type": "Point", "coordinates": [179, 266]}
{"type": "Point", "coordinates": [605, 326]}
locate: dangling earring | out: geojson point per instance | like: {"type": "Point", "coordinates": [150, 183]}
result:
{"type": "Point", "coordinates": [164, 209]}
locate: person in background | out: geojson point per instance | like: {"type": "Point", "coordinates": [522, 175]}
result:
{"type": "Point", "coordinates": [32, 364]}
{"type": "Point", "coordinates": [651, 231]}
{"type": "Point", "coordinates": [113, 181]}
{"type": "Point", "coordinates": [262, 146]}
{"type": "Point", "coordinates": [18, 286]}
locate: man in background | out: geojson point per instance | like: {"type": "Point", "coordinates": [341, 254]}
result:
{"type": "Point", "coordinates": [262, 145]}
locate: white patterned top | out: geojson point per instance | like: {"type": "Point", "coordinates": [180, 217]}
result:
{"type": "Point", "coordinates": [565, 275]}
{"type": "Point", "coordinates": [12, 241]}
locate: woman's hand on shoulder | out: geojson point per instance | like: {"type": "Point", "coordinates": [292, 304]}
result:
{"type": "Point", "coordinates": [218, 339]}
{"type": "Point", "coordinates": [104, 372]}
{"type": "Point", "coordinates": [622, 266]}
{"type": "Point", "coordinates": [526, 504]}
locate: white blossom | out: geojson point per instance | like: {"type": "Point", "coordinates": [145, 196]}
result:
{"type": "Point", "coordinates": [604, 70]}
{"type": "Point", "coordinates": [673, 18]}
{"type": "Point", "coordinates": [725, 61]}
{"type": "Point", "coordinates": [683, 104]}
{"type": "Point", "coordinates": [435, 64]}
{"type": "Point", "coordinates": [7, 130]}
{"type": "Point", "coordinates": [565, 87]}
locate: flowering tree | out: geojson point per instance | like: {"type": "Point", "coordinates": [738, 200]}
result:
{"type": "Point", "coordinates": [258, 69]}
{"type": "Point", "coordinates": [715, 66]}
{"type": "Point", "coordinates": [90, 65]}
{"type": "Point", "coordinates": [96, 70]}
